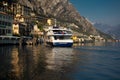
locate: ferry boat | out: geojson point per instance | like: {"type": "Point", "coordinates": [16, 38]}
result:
{"type": "Point", "coordinates": [59, 37]}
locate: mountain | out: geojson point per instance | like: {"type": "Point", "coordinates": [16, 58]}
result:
{"type": "Point", "coordinates": [114, 31]}
{"type": "Point", "coordinates": [63, 11]}
{"type": "Point", "coordinates": [103, 27]}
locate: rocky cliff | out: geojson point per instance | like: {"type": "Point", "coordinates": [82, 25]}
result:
{"type": "Point", "coordinates": [63, 11]}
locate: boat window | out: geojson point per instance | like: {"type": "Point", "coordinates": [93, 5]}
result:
{"type": "Point", "coordinates": [62, 37]}
{"type": "Point", "coordinates": [57, 37]}
{"type": "Point", "coordinates": [68, 32]}
{"type": "Point", "coordinates": [66, 37]}
{"type": "Point", "coordinates": [58, 32]}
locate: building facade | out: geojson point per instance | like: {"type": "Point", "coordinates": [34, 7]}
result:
{"type": "Point", "coordinates": [22, 16]}
{"type": "Point", "coordinates": [6, 21]}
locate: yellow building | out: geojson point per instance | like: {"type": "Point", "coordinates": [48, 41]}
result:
{"type": "Point", "coordinates": [49, 22]}
{"type": "Point", "coordinates": [15, 29]}
{"type": "Point", "coordinates": [75, 39]}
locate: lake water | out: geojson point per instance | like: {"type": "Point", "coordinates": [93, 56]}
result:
{"type": "Point", "coordinates": [99, 61]}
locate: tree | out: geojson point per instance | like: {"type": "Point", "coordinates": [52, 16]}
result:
{"type": "Point", "coordinates": [40, 25]}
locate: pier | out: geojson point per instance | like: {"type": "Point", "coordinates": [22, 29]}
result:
{"type": "Point", "coordinates": [14, 40]}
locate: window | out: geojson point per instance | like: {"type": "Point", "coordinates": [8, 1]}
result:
{"type": "Point", "coordinates": [62, 37]}
{"type": "Point", "coordinates": [9, 24]}
{"type": "Point", "coordinates": [0, 22]}
{"type": "Point", "coordinates": [8, 31]}
{"type": "Point", "coordinates": [1, 16]}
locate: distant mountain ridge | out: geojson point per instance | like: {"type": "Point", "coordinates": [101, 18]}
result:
{"type": "Point", "coordinates": [114, 31]}
{"type": "Point", "coordinates": [102, 27]}
{"type": "Point", "coordinates": [63, 11]}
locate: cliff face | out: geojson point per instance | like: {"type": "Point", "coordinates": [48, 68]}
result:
{"type": "Point", "coordinates": [62, 10]}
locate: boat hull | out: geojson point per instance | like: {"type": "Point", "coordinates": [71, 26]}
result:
{"type": "Point", "coordinates": [60, 44]}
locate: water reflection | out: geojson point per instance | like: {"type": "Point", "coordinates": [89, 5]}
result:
{"type": "Point", "coordinates": [31, 62]}
{"type": "Point", "coordinates": [34, 62]}
{"type": "Point", "coordinates": [89, 44]}
{"type": "Point", "coordinates": [15, 68]}
{"type": "Point", "coordinates": [58, 58]}
{"type": "Point", "coordinates": [9, 63]}
{"type": "Point", "coordinates": [45, 63]}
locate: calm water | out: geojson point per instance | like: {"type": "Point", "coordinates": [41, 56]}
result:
{"type": "Point", "coordinates": [81, 62]}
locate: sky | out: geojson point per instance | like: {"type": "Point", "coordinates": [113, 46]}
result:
{"type": "Point", "coordinates": [100, 11]}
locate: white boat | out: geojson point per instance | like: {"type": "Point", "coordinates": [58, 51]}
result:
{"type": "Point", "coordinates": [59, 37]}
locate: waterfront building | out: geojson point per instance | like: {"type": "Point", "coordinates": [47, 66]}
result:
{"type": "Point", "coordinates": [6, 21]}
{"type": "Point", "coordinates": [22, 19]}
{"type": "Point", "coordinates": [19, 29]}
{"type": "Point", "coordinates": [22, 12]}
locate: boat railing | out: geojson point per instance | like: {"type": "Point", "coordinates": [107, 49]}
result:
{"type": "Point", "coordinates": [62, 32]}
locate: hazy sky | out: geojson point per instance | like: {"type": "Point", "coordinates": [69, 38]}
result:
{"type": "Point", "coordinates": [103, 11]}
